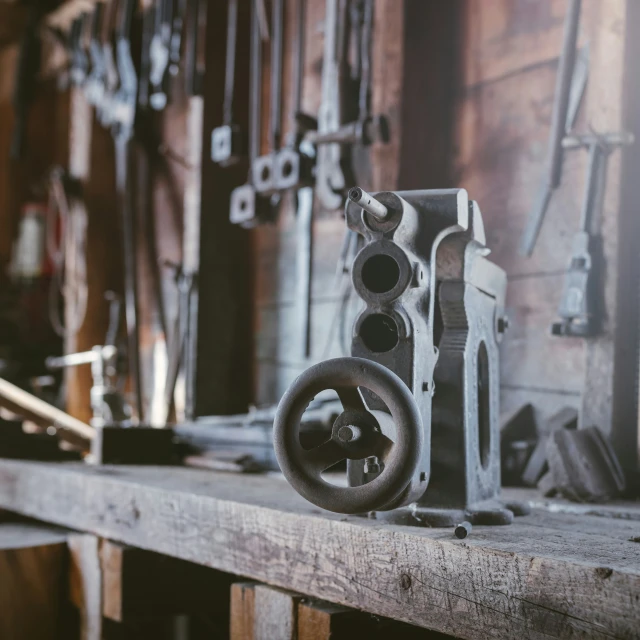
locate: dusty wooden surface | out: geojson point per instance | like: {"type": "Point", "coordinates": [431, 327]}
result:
{"type": "Point", "coordinates": [32, 568]}
{"type": "Point", "coordinates": [536, 578]}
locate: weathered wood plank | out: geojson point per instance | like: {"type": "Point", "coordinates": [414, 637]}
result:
{"type": "Point", "coordinates": [242, 611]}
{"type": "Point", "coordinates": [503, 37]}
{"type": "Point", "coordinates": [32, 568]}
{"type": "Point", "coordinates": [276, 613]}
{"type": "Point", "coordinates": [85, 583]}
{"type": "Point", "coordinates": [142, 584]}
{"type": "Point", "coordinates": [495, 583]}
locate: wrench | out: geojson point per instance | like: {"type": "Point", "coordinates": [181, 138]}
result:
{"type": "Point", "coordinates": [293, 168]}
{"type": "Point", "coordinates": [263, 168]}
{"type": "Point", "coordinates": [105, 108]}
{"type": "Point", "coordinates": [330, 178]}
{"type": "Point", "coordinates": [94, 85]}
{"type": "Point", "coordinates": [227, 140]}
{"type": "Point", "coordinates": [248, 209]}
{"type": "Point", "coordinates": [159, 54]}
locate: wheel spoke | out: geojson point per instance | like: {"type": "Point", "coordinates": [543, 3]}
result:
{"type": "Point", "coordinates": [382, 446]}
{"type": "Point", "coordinates": [351, 399]}
{"type": "Point", "coordinates": [324, 456]}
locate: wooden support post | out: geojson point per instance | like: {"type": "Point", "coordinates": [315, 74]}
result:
{"type": "Point", "coordinates": [260, 612]}
{"type": "Point", "coordinates": [85, 583]}
{"type": "Point", "coordinates": [242, 611]}
{"type": "Point", "coordinates": [142, 584]}
{"type": "Point", "coordinates": [275, 614]}
{"type": "Point", "coordinates": [32, 570]}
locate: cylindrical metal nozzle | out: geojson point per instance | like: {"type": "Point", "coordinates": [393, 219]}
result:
{"type": "Point", "coordinates": [368, 203]}
{"type": "Point", "coordinates": [463, 530]}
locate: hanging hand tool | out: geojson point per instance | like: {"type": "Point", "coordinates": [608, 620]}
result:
{"type": "Point", "coordinates": [263, 167]}
{"type": "Point", "coordinates": [294, 164]}
{"type": "Point", "coordinates": [249, 209]}
{"type": "Point", "coordinates": [159, 51]}
{"type": "Point", "coordinates": [195, 49]}
{"type": "Point", "coordinates": [124, 107]}
{"type": "Point", "coordinates": [330, 180]}
{"type": "Point", "coordinates": [227, 141]}
{"type": "Point", "coordinates": [110, 84]}
{"type": "Point", "coordinates": [293, 167]}
{"type": "Point", "coordinates": [571, 80]}
{"type": "Point", "coordinates": [579, 310]}
{"type": "Point", "coordinates": [94, 85]}
{"type": "Point", "coordinates": [79, 60]}
{"type": "Point", "coordinates": [175, 43]}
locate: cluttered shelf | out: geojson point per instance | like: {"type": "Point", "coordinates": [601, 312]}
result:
{"type": "Point", "coordinates": [493, 583]}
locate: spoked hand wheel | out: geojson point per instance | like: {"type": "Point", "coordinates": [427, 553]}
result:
{"type": "Point", "coordinates": [355, 435]}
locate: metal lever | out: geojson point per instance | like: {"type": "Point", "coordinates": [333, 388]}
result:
{"type": "Point", "coordinates": [579, 310]}
{"type": "Point", "coordinates": [559, 125]}
{"type": "Point", "coordinates": [227, 140]}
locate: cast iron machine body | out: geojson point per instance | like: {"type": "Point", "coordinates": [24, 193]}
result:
{"type": "Point", "coordinates": [420, 428]}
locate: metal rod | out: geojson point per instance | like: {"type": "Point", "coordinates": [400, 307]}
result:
{"type": "Point", "coordinates": [255, 114]}
{"type": "Point", "coordinates": [277, 20]}
{"type": "Point", "coordinates": [618, 139]}
{"type": "Point", "coordinates": [563, 92]}
{"type": "Point", "coordinates": [41, 412]}
{"type": "Point", "coordinates": [230, 61]}
{"type": "Point", "coordinates": [368, 203]}
{"type": "Point", "coordinates": [130, 268]}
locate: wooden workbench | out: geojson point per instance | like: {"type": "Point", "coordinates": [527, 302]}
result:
{"type": "Point", "coordinates": [549, 575]}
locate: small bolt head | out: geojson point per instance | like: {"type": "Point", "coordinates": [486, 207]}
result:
{"type": "Point", "coordinates": [503, 324]}
{"type": "Point", "coordinates": [371, 465]}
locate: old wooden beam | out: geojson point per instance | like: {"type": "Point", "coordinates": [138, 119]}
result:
{"type": "Point", "coordinates": [496, 582]}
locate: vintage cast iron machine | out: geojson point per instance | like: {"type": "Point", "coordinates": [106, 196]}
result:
{"type": "Point", "coordinates": [420, 395]}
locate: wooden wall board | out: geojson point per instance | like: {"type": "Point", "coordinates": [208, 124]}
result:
{"type": "Point", "coordinates": [32, 574]}
{"type": "Point", "coordinates": [503, 37]}
{"type": "Point", "coordinates": [504, 582]}
{"type": "Point", "coordinates": [242, 622]}
{"type": "Point", "coordinates": [223, 349]}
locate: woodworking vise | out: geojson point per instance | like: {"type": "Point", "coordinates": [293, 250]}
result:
{"type": "Point", "coordinates": [419, 430]}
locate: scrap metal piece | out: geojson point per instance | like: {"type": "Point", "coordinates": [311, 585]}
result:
{"type": "Point", "coordinates": [584, 465]}
{"type": "Point", "coordinates": [566, 418]}
{"type": "Point", "coordinates": [462, 530]}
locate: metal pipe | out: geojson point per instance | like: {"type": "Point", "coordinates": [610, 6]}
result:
{"type": "Point", "coordinates": [368, 203]}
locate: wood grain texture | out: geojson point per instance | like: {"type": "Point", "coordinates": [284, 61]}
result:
{"type": "Point", "coordinates": [496, 583]}
{"type": "Point", "coordinates": [275, 614]}
{"type": "Point", "coordinates": [242, 611]}
{"type": "Point", "coordinates": [32, 572]}
{"type": "Point", "coordinates": [140, 584]}
{"type": "Point", "coordinates": [85, 583]}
